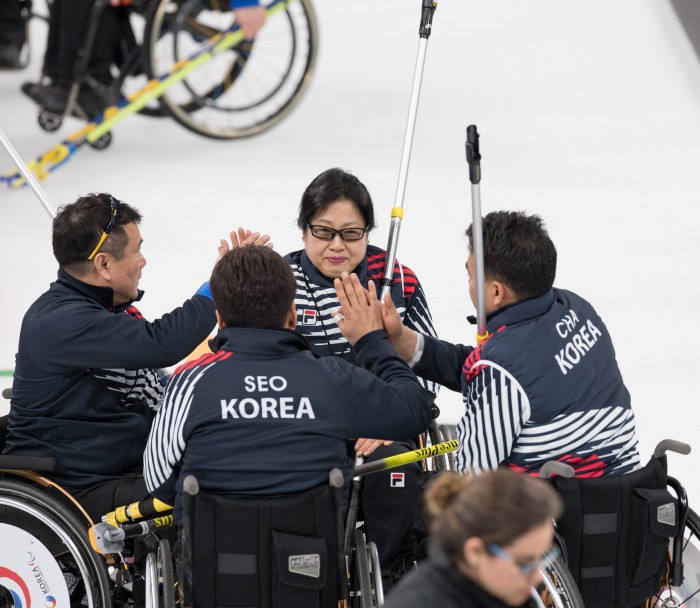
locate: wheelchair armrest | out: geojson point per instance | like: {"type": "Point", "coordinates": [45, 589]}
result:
{"type": "Point", "coordinates": [39, 464]}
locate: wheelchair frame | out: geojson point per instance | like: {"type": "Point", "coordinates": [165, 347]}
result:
{"type": "Point", "coordinates": [180, 26]}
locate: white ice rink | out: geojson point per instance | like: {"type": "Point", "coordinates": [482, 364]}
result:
{"type": "Point", "coordinates": [589, 115]}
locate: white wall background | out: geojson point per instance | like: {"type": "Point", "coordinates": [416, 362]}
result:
{"type": "Point", "coordinates": [589, 115]}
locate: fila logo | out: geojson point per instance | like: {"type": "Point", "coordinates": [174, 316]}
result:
{"type": "Point", "coordinates": [398, 480]}
{"type": "Point", "coordinates": [308, 317]}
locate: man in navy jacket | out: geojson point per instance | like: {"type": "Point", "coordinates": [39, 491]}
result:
{"type": "Point", "coordinates": [86, 383]}
{"type": "Point", "coordinates": [545, 384]}
{"type": "Point", "coordinates": [263, 415]}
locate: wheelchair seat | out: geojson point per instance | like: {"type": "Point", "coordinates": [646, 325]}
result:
{"type": "Point", "coordinates": [616, 532]}
{"type": "Point", "coordinates": [279, 552]}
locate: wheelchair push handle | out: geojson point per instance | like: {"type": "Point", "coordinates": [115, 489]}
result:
{"type": "Point", "coordinates": [671, 445]}
{"type": "Point", "coordinates": [554, 467]}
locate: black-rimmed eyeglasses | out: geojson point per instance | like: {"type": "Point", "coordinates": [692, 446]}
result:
{"type": "Point", "coordinates": [328, 234]}
{"type": "Point", "coordinates": [114, 213]}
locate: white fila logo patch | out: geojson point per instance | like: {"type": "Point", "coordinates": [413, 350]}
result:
{"type": "Point", "coordinates": [308, 317]}
{"type": "Point", "coordinates": [398, 480]}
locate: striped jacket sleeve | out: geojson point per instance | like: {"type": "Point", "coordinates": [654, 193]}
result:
{"type": "Point", "coordinates": [496, 408]}
{"type": "Point", "coordinates": [167, 439]}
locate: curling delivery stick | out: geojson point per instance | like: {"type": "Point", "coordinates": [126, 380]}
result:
{"type": "Point", "coordinates": [426, 25]}
{"type": "Point", "coordinates": [474, 160]}
{"type": "Point", "coordinates": [27, 175]}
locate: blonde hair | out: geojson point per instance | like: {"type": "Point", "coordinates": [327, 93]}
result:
{"type": "Point", "coordinates": [496, 506]}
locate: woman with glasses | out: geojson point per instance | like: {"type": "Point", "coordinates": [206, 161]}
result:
{"type": "Point", "coordinates": [490, 536]}
{"type": "Point", "coordinates": [336, 215]}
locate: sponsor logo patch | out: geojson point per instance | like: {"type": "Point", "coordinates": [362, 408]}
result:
{"type": "Point", "coordinates": [306, 565]}
{"type": "Point", "coordinates": [666, 514]}
{"type": "Point", "coordinates": [308, 317]}
{"type": "Point", "coordinates": [398, 480]}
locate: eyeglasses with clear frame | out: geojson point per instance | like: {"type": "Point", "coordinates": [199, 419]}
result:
{"type": "Point", "coordinates": [525, 569]}
{"type": "Point", "coordinates": [328, 234]}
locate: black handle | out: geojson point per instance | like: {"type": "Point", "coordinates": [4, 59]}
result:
{"type": "Point", "coordinates": [426, 18]}
{"type": "Point", "coordinates": [473, 156]}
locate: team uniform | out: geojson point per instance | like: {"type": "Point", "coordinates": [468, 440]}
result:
{"type": "Point", "coordinates": [390, 499]}
{"type": "Point", "coordinates": [544, 385]}
{"type": "Point", "coordinates": [85, 385]}
{"type": "Point", "coordinates": [262, 415]}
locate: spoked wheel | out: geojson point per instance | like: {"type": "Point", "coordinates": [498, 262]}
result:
{"type": "Point", "coordinates": [559, 589]}
{"type": "Point", "coordinates": [45, 554]}
{"type": "Point", "coordinates": [166, 576]}
{"type": "Point", "coordinates": [361, 595]}
{"type": "Point", "coordinates": [687, 594]}
{"type": "Point", "coordinates": [241, 91]}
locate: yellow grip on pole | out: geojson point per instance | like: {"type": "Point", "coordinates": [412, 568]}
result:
{"type": "Point", "coordinates": [397, 212]}
{"type": "Point", "coordinates": [481, 338]}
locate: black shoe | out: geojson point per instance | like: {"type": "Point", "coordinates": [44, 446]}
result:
{"type": "Point", "coordinates": [10, 56]}
{"type": "Point", "coordinates": [52, 98]}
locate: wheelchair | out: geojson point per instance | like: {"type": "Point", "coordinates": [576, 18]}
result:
{"type": "Point", "coordinates": [238, 92]}
{"type": "Point", "coordinates": [627, 540]}
{"type": "Point", "coordinates": [281, 552]}
{"type": "Point", "coordinates": [45, 554]}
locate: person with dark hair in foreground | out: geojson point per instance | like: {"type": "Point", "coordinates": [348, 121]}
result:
{"type": "Point", "coordinates": [490, 535]}
{"type": "Point", "coordinates": [545, 384]}
{"type": "Point", "coordinates": [262, 415]}
{"type": "Point", "coordinates": [86, 382]}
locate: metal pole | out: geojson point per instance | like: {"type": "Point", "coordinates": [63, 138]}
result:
{"type": "Point", "coordinates": [27, 175]}
{"type": "Point", "coordinates": [428, 9]}
{"type": "Point", "coordinates": [474, 160]}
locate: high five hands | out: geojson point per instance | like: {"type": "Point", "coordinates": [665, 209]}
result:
{"type": "Point", "coordinates": [361, 312]}
{"type": "Point", "coordinates": [243, 238]}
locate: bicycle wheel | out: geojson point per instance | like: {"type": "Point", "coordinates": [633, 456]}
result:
{"type": "Point", "coordinates": [688, 593]}
{"type": "Point", "coordinates": [45, 554]}
{"type": "Point", "coordinates": [241, 91]}
{"type": "Point", "coordinates": [559, 589]}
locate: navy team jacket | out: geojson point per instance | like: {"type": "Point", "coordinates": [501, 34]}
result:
{"type": "Point", "coordinates": [545, 385]}
{"type": "Point", "coordinates": [263, 415]}
{"type": "Point", "coordinates": [84, 388]}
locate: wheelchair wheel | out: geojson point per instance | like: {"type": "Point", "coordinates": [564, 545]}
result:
{"type": "Point", "coordinates": [361, 595]}
{"type": "Point", "coordinates": [559, 589]}
{"type": "Point", "coordinates": [687, 594]}
{"type": "Point", "coordinates": [241, 91]}
{"type": "Point", "coordinates": [45, 554]}
{"type": "Point", "coordinates": [160, 579]}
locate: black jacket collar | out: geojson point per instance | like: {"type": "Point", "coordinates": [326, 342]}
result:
{"type": "Point", "coordinates": [518, 311]}
{"type": "Point", "coordinates": [104, 296]}
{"type": "Point", "coordinates": [270, 343]}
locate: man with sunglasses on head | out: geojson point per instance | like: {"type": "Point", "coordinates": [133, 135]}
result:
{"type": "Point", "coordinates": [86, 382]}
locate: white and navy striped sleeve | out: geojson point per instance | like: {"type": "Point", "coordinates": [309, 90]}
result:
{"type": "Point", "coordinates": [167, 441]}
{"type": "Point", "coordinates": [496, 408]}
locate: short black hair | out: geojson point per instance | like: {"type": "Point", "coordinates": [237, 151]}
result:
{"type": "Point", "coordinates": [330, 186]}
{"type": "Point", "coordinates": [77, 229]}
{"type": "Point", "coordinates": [518, 252]}
{"type": "Point", "coordinates": [253, 287]}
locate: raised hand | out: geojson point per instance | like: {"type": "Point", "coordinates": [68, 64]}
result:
{"type": "Point", "coordinates": [360, 308]}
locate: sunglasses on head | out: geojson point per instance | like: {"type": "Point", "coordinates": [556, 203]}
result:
{"type": "Point", "coordinates": [115, 211]}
